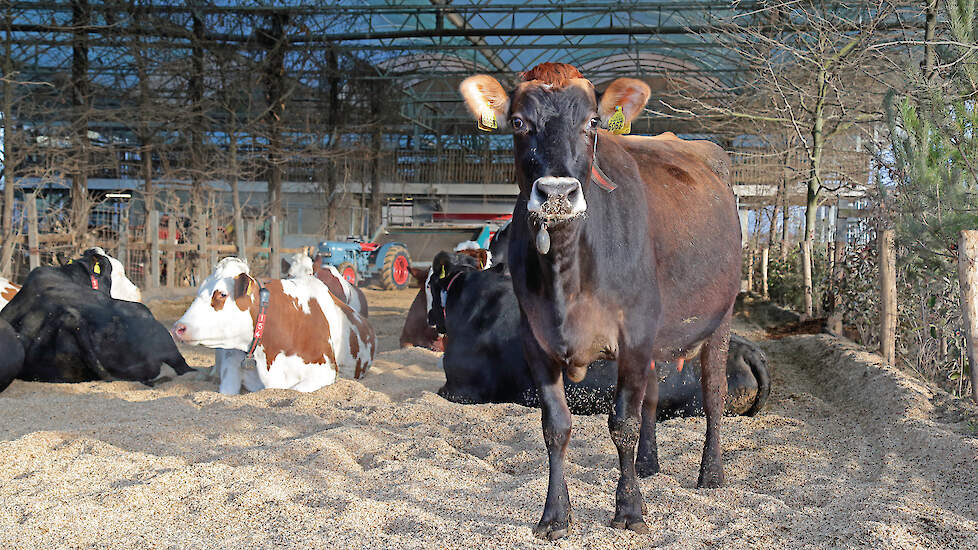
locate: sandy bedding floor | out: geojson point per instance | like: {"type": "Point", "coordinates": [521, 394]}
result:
{"type": "Point", "coordinates": [846, 454]}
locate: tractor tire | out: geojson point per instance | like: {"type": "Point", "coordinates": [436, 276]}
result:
{"type": "Point", "coordinates": [349, 272]}
{"type": "Point", "coordinates": [396, 274]}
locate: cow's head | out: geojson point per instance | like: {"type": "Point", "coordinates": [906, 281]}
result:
{"type": "Point", "coordinates": [122, 288]}
{"type": "Point", "coordinates": [92, 270]}
{"type": "Point", "coordinates": [297, 265]}
{"type": "Point", "coordinates": [220, 316]}
{"type": "Point", "coordinates": [444, 271]}
{"type": "Point", "coordinates": [554, 113]}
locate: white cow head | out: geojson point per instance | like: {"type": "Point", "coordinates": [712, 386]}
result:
{"type": "Point", "coordinates": [122, 287]}
{"type": "Point", "coordinates": [297, 265]}
{"type": "Point", "coordinates": [220, 316]}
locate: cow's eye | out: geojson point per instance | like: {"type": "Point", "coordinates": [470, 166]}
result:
{"type": "Point", "coordinates": [592, 124]}
{"type": "Point", "coordinates": [223, 294]}
{"type": "Point", "coordinates": [518, 124]}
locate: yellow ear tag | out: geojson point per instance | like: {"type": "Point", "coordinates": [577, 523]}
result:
{"type": "Point", "coordinates": [442, 276]}
{"type": "Point", "coordinates": [249, 286]}
{"type": "Point", "coordinates": [97, 269]}
{"type": "Point", "coordinates": [487, 122]}
{"type": "Point", "coordinates": [69, 262]}
{"type": "Point", "coordinates": [617, 123]}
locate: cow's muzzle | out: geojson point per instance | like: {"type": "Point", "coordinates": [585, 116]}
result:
{"type": "Point", "coordinates": [556, 199]}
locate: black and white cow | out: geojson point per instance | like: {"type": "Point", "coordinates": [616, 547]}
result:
{"type": "Point", "coordinates": [478, 313]}
{"type": "Point", "coordinates": [71, 330]}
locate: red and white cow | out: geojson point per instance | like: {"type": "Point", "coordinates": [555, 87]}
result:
{"type": "Point", "coordinates": [310, 336]}
{"type": "Point", "coordinates": [122, 288]}
{"type": "Point", "coordinates": [301, 265]}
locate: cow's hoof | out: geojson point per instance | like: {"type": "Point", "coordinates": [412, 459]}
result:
{"type": "Point", "coordinates": [550, 531]}
{"type": "Point", "coordinates": [710, 481]}
{"type": "Point", "coordinates": [646, 468]}
{"type": "Point", "coordinates": [553, 529]}
{"type": "Point", "coordinates": [636, 526]}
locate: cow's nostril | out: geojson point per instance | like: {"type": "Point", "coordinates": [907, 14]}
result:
{"type": "Point", "coordinates": [179, 329]}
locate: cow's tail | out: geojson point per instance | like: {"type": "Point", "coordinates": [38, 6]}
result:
{"type": "Point", "coordinates": [759, 370]}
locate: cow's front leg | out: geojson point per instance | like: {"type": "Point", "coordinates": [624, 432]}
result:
{"type": "Point", "coordinates": [556, 419]}
{"type": "Point", "coordinates": [624, 423]}
{"type": "Point", "coordinates": [647, 462]}
{"type": "Point", "coordinates": [713, 368]}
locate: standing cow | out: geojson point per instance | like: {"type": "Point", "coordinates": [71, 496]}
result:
{"type": "Point", "coordinates": [309, 335]}
{"type": "Point", "coordinates": [626, 247]}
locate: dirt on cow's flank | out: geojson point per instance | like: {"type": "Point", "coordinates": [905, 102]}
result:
{"type": "Point", "coordinates": [847, 454]}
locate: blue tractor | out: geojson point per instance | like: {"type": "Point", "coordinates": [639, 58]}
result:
{"type": "Point", "coordinates": [359, 261]}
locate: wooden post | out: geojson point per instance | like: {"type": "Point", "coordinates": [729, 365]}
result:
{"type": "Point", "coordinates": [275, 243]}
{"type": "Point", "coordinates": [171, 252]}
{"type": "Point", "coordinates": [32, 237]}
{"type": "Point", "coordinates": [888, 303]}
{"type": "Point", "coordinates": [835, 321]}
{"type": "Point", "coordinates": [213, 241]}
{"type": "Point", "coordinates": [806, 270]}
{"type": "Point", "coordinates": [968, 277]}
{"type": "Point", "coordinates": [153, 234]}
{"type": "Point", "coordinates": [750, 269]}
{"type": "Point", "coordinates": [122, 251]}
{"type": "Point", "coordinates": [250, 235]}
{"type": "Point", "coordinates": [765, 255]}
{"type": "Point", "coordinates": [201, 267]}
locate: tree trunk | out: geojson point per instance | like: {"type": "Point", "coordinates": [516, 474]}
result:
{"type": "Point", "coordinates": [888, 298]}
{"type": "Point", "coordinates": [274, 76]}
{"type": "Point", "coordinates": [968, 277]}
{"type": "Point", "coordinates": [239, 228]}
{"type": "Point", "coordinates": [9, 162]}
{"type": "Point", "coordinates": [376, 197]}
{"type": "Point", "coordinates": [81, 19]}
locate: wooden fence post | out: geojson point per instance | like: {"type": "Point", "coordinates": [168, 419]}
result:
{"type": "Point", "coordinates": [200, 231]}
{"type": "Point", "coordinates": [806, 270]}
{"type": "Point", "coordinates": [765, 256]}
{"type": "Point", "coordinates": [250, 235]}
{"type": "Point", "coordinates": [171, 251]}
{"type": "Point", "coordinates": [835, 320]}
{"type": "Point", "coordinates": [122, 251]}
{"type": "Point", "coordinates": [888, 298]}
{"type": "Point", "coordinates": [33, 249]}
{"type": "Point", "coordinates": [213, 241]}
{"type": "Point", "coordinates": [750, 269]}
{"type": "Point", "coordinates": [968, 277]}
{"type": "Point", "coordinates": [275, 243]}
{"type": "Point", "coordinates": [153, 234]}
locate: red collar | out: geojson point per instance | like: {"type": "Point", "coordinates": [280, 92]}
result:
{"type": "Point", "coordinates": [444, 305]}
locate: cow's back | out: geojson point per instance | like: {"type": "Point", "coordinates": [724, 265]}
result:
{"type": "Point", "coordinates": [695, 229]}
{"type": "Point", "coordinates": [308, 325]}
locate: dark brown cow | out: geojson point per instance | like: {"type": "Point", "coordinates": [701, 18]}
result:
{"type": "Point", "coordinates": [622, 247]}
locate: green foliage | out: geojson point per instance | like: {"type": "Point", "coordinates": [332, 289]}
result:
{"type": "Point", "coordinates": [933, 197]}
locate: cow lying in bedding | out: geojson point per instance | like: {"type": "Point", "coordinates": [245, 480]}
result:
{"type": "Point", "coordinates": [308, 338]}
{"type": "Point", "coordinates": [72, 330]}
{"type": "Point", "coordinates": [122, 287]}
{"type": "Point", "coordinates": [484, 362]}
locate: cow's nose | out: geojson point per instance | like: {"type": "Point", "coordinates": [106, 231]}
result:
{"type": "Point", "coordinates": [553, 197]}
{"type": "Point", "coordinates": [179, 331]}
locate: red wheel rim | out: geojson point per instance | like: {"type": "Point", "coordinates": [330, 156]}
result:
{"type": "Point", "coordinates": [350, 275]}
{"type": "Point", "coordinates": [400, 269]}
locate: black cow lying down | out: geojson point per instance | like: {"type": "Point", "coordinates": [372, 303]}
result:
{"type": "Point", "coordinates": [484, 360]}
{"type": "Point", "coordinates": [72, 331]}
{"type": "Point", "coordinates": [11, 352]}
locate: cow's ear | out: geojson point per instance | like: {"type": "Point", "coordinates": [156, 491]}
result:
{"type": "Point", "coordinates": [243, 285]}
{"type": "Point", "coordinates": [483, 257]}
{"type": "Point", "coordinates": [483, 95]}
{"type": "Point", "coordinates": [629, 94]}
